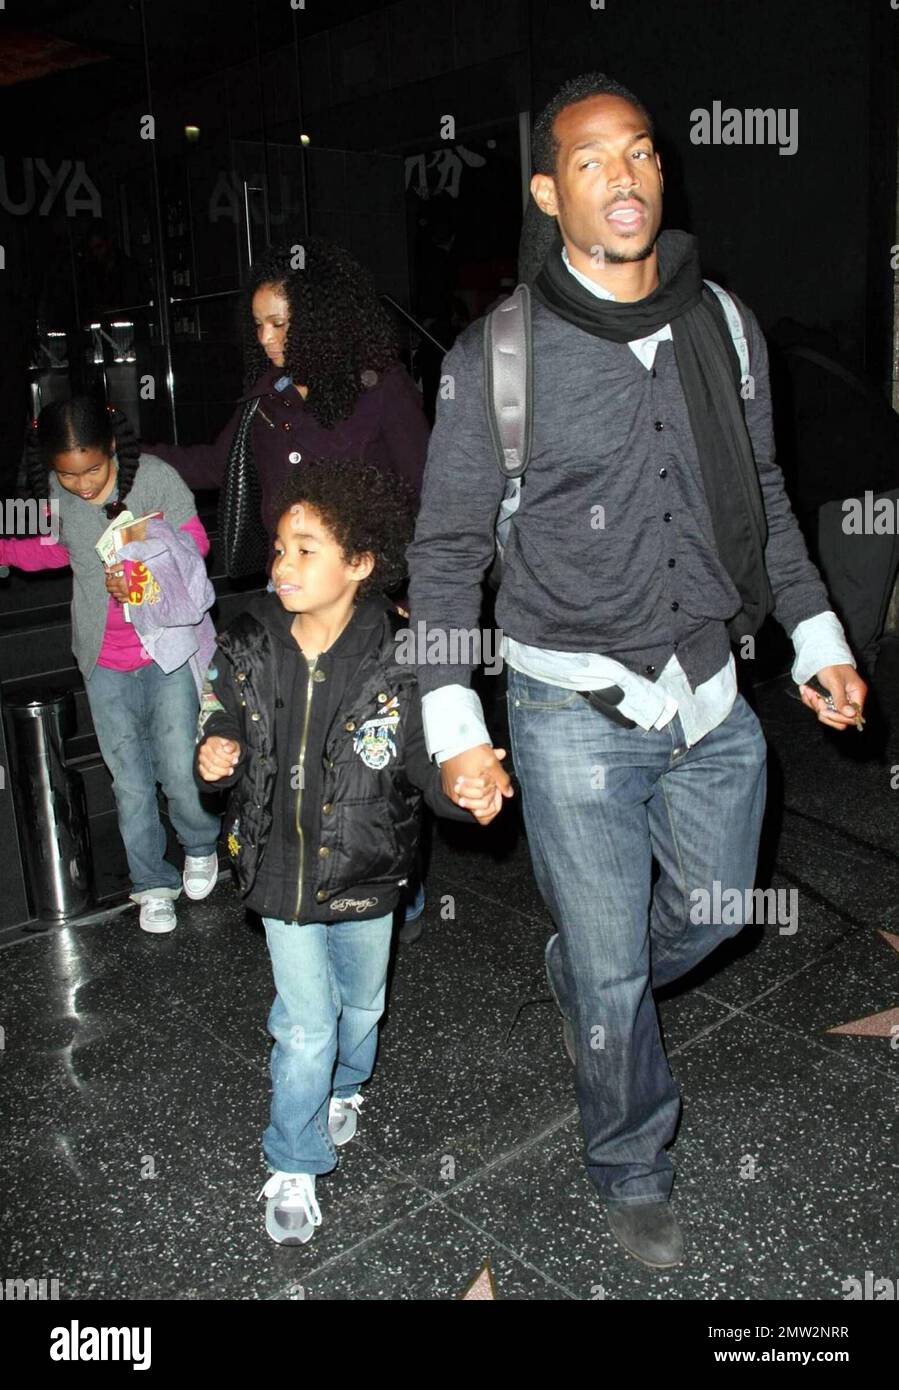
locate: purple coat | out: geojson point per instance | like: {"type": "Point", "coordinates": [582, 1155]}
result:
{"type": "Point", "coordinates": [388, 428]}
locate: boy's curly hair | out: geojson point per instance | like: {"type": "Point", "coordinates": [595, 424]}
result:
{"type": "Point", "coordinates": [364, 508]}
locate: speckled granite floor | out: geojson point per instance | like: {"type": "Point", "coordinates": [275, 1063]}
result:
{"type": "Point", "coordinates": [135, 1082]}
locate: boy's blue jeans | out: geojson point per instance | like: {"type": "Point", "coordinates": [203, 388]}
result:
{"type": "Point", "coordinates": [331, 981]}
{"type": "Point", "coordinates": [146, 726]}
{"type": "Point", "coordinates": [600, 802]}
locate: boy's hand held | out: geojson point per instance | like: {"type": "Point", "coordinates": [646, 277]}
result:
{"type": "Point", "coordinates": [217, 758]}
{"type": "Point", "coordinates": [479, 796]}
{"type": "Point", "coordinates": [477, 781]}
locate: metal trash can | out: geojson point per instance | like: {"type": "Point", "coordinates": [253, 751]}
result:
{"type": "Point", "coordinates": [50, 804]}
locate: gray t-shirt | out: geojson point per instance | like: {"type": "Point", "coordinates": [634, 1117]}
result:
{"type": "Point", "coordinates": [156, 488]}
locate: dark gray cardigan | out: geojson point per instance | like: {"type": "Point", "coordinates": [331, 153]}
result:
{"type": "Point", "coordinates": [612, 548]}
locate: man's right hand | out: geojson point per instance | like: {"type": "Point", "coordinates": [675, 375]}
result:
{"type": "Point", "coordinates": [481, 762]}
{"type": "Point", "coordinates": [217, 758]}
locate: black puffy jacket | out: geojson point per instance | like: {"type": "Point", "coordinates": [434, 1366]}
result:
{"type": "Point", "coordinates": [323, 813]}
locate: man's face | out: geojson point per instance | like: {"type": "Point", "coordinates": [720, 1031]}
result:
{"type": "Point", "coordinates": [310, 571]}
{"type": "Point", "coordinates": [607, 190]}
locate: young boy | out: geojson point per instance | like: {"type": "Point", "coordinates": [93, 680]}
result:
{"type": "Point", "coordinates": [314, 725]}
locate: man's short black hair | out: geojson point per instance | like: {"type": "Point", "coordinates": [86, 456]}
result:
{"type": "Point", "coordinates": [544, 145]}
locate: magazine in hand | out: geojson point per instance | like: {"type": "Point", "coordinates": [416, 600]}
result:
{"type": "Point", "coordinates": [121, 531]}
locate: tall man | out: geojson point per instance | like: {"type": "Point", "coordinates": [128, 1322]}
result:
{"type": "Point", "coordinates": [653, 527]}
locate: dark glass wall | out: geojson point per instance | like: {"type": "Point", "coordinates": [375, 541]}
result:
{"type": "Point", "coordinates": [91, 212]}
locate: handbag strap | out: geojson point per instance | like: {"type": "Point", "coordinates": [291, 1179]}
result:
{"type": "Point", "coordinates": [242, 433]}
{"type": "Point", "coordinates": [240, 489]}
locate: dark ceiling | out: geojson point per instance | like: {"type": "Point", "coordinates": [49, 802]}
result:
{"type": "Point", "coordinates": [187, 39]}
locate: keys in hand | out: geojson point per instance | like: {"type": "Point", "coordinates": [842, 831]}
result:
{"type": "Point", "coordinates": [851, 689]}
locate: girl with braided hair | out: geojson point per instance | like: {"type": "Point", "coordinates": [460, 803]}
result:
{"type": "Point", "coordinates": [85, 462]}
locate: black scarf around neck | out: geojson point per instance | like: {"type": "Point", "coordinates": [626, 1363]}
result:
{"type": "Point", "coordinates": [709, 375]}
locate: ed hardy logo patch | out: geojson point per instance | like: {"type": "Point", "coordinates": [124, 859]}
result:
{"type": "Point", "coordinates": [374, 740]}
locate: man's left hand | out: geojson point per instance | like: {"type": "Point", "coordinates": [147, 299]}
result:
{"type": "Point", "coordinates": [848, 691]}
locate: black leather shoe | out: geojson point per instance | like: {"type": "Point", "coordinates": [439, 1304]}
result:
{"type": "Point", "coordinates": [567, 1029]}
{"type": "Point", "coordinates": [648, 1231]}
{"type": "Point", "coordinates": [411, 931]}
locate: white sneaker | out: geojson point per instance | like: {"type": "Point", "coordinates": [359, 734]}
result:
{"type": "Point", "coordinates": [342, 1117]}
{"type": "Point", "coordinates": [291, 1212]}
{"type": "Point", "coordinates": [200, 875]}
{"type": "Point", "coordinates": [158, 915]}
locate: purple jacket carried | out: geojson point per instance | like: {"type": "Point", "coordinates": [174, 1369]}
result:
{"type": "Point", "coordinates": [173, 621]}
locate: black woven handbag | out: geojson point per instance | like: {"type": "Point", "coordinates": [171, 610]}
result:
{"type": "Point", "coordinates": [241, 529]}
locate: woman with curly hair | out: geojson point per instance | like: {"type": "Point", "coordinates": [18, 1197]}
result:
{"type": "Point", "coordinates": [322, 378]}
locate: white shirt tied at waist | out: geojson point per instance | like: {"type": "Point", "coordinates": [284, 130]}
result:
{"type": "Point", "coordinates": [453, 715]}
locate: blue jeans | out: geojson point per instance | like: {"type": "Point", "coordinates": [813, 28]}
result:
{"type": "Point", "coordinates": [146, 726]}
{"type": "Point", "coordinates": [331, 981]}
{"type": "Point", "coordinates": [600, 802]}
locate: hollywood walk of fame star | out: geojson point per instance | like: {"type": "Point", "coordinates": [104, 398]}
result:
{"type": "Point", "coordinates": [874, 1025]}
{"type": "Point", "coordinates": [482, 1285]}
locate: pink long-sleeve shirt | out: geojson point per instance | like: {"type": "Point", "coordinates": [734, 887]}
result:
{"type": "Point", "coordinates": [121, 649]}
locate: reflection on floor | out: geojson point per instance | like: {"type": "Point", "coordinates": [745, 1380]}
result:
{"type": "Point", "coordinates": [135, 1075]}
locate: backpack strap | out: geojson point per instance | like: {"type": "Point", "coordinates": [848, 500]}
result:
{"type": "Point", "coordinates": [509, 372]}
{"type": "Point", "coordinates": [509, 367]}
{"type": "Point", "coordinates": [735, 326]}
{"type": "Point", "coordinates": [509, 383]}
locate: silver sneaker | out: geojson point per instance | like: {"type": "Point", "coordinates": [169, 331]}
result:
{"type": "Point", "coordinates": [343, 1115]}
{"type": "Point", "coordinates": [200, 875]}
{"type": "Point", "coordinates": [291, 1212]}
{"type": "Point", "coordinates": [158, 915]}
